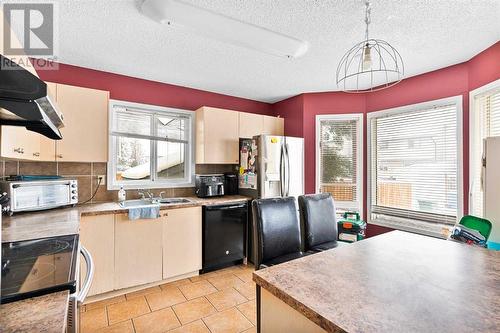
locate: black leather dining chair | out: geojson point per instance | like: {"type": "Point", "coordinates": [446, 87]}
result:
{"type": "Point", "coordinates": [276, 231]}
{"type": "Point", "coordinates": [318, 220]}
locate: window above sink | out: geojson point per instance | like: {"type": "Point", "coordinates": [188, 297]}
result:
{"type": "Point", "coordinates": [150, 146]}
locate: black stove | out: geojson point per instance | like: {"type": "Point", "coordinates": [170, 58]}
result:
{"type": "Point", "coordinates": [38, 267]}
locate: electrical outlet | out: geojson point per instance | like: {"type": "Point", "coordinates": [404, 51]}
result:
{"type": "Point", "coordinates": [103, 179]}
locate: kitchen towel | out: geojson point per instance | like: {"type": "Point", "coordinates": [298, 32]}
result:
{"type": "Point", "coordinates": [149, 212]}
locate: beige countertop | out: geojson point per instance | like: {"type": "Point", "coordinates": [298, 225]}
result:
{"type": "Point", "coordinates": [66, 221]}
{"type": "Point", "coordinates": [395, 282]}
{"type": "Point", "coordinates": [48, 313]}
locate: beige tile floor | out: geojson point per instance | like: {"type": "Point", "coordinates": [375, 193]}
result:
{"type": "Point", "coordinates": [221, 301]}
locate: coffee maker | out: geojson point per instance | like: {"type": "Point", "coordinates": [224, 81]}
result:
{"type": "Point", "coordinates": [209, 185]}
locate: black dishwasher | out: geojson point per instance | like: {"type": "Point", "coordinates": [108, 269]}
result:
{"type": "Point", "coordinates": [224, 235]}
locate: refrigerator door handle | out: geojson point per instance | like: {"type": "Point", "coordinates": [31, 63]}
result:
{"type": "Point", "coordinates": [282, 180]}
{"type": "Point", "coordinates": [287, 174]}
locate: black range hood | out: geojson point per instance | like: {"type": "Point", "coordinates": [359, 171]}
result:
{"type": "Point", "coordinates": [24, 101]}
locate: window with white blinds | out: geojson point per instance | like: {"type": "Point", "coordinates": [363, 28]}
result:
{"type": "Point", "coordinates": [150, 146]}
{"type": "Point", "coordinates": [414, 163]}
{"type": "Point", "coordinates": [339, 159]}
{"type": "Point", "coordinates": [485, 122]}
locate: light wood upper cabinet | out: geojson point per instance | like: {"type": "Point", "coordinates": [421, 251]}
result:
{"type": "Point", "coordinates": [182, 236]}
{"type": "Point", "coordinates": [85, 131]}
{"type": "Point", "coordinates": [217, 136]}
{"type": "Point", "coordinates": [273, 125]}
{"type": "Point", "coordinates": [97, 234]}
{"type": "Point", "coordinates": [250, 124]}
{"type": "Point", "coordinates": [19, 143]}
{"type": "Point", "coordinates": [138, 251]}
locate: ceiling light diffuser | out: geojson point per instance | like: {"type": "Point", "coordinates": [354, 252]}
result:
{"type": "Point", "coordinates": [224, 28]}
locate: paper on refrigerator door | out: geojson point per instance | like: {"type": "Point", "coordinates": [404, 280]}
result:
{"type": "Point", "coordinates": [248, 180]}
{"type": "Point", "coordinates": [244, 159]}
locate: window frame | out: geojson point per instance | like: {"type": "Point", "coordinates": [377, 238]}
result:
{"type": "Point", "coordinates": [152, 183]}
{"type": "Point", "coordinates": [474, 163]}
{"type": "Point", "coordinates": [411, 225]}
{"type": "Point", "coordinates": [359, 117]}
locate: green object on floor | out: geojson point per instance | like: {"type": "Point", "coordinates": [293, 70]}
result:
{"type": "Point", "coordinates": [351, 228]}
{"type": "Point", "coordinates": [483, 226]}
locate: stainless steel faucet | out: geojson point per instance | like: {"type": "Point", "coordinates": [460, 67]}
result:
{"type": "Point", "coordinates": [144, 193]}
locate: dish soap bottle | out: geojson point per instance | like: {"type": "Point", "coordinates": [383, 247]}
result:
{"type": "Point", "coordinates": [122, 195]}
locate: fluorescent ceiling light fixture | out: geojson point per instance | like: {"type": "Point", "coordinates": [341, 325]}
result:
{"type": "Point", "coordinates": [224, 28]}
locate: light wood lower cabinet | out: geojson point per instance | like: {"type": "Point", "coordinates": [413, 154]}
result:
{"type": "Point", "coordinates": [97, 234]}
{"type": "Point", "coordinates": [132, 253]}
{"type": "Point", "coordinates": [138, 251]}
{"type": "Point", "coordinates": [181, 241]}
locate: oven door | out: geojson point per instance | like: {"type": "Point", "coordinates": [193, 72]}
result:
{"type": "Point", "coordinates": [76, 300]}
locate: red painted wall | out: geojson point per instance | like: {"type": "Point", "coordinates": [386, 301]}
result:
{"type": "Point", "coordinates": [291, 110]}
{"type": "Point", "coordinates": [131, 89]}
{"type": "Point", "coordinates": [450, 81]}
{"type": "Point", "coordinates": [323, 103]}
{"type": "Point", "coordinates": [485, 67]}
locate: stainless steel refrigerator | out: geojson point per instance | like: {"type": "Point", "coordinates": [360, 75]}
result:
{"type": "Point", "coordinates": [271, 166]}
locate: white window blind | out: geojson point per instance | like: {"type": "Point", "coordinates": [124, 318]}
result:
{"type": "Point", "coordinates": [486, 115]}
{"type": "Point", "coordinates": [414, 165]}
{"type": "Point", "coordinates": [339, 165]}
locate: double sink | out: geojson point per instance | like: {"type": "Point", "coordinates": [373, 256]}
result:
{"type": "Point", "coordinates": [153, 202]}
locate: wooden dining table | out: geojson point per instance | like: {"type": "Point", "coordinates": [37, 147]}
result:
{"type": "Point", "coordinates": [395, 282]}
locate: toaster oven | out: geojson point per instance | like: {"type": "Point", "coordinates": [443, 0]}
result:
{"type": "Point", "coordinates": [40, 194]}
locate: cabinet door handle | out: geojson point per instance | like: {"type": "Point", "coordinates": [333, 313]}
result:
{"type": "Point", "coordinates": [164, 214]}
{"type": "Point", "coordinates": [59, 156]}
{"type": "Point", "coordinates": [19, 150]}
{"type": "Point", "coordinates": [37, 154]}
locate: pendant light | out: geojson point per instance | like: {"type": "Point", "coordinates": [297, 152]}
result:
{"type": "Point", "coordinates": [370, 65]}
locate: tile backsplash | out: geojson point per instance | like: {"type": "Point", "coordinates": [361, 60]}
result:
{"type": "Point", "coordinates": [87, 173]}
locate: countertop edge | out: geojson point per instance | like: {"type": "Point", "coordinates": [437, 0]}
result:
{"type": "Point", "coordinates": [310, 314]}
{"type": "Point", "coordinates": [196, 202]}
{"type": "Point", "coordinates": [66, 221]}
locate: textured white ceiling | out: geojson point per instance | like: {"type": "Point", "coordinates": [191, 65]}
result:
{"type": "Point", "coordinates": [114, 36]}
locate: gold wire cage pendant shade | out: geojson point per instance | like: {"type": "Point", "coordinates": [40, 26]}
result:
{"type": "Point", "coordinates": [370, 65]}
